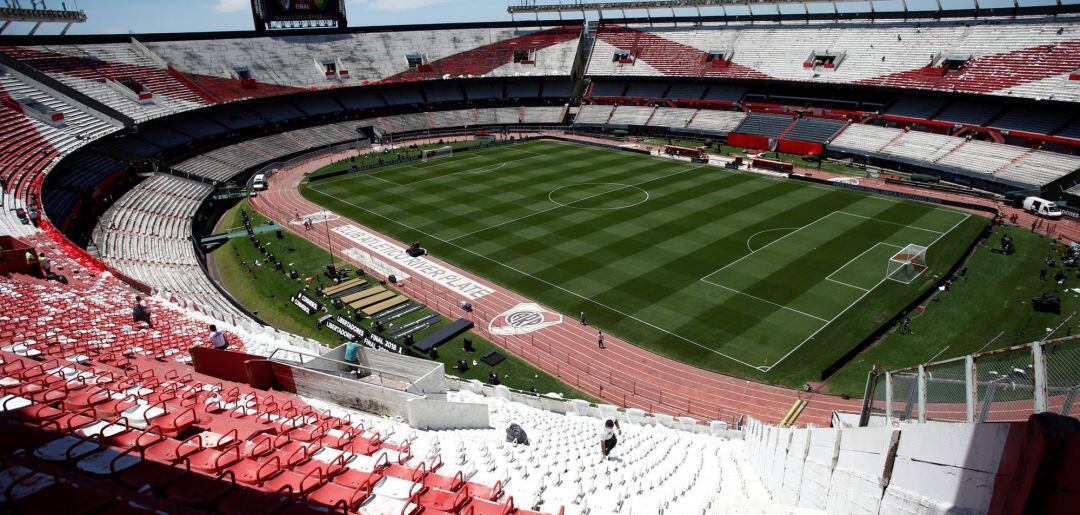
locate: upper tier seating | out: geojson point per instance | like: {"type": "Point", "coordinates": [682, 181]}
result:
{"type": "Point", "coordinates": [686, 91]}
{"type": "Point", "coordinates": [1029, 119]}
{"type": "Point", "coordinates": [968, 113]}
{"type": "Point", "coordinates": [30, 145]}
{"type": "Point", "coordinates": [915, 107]}
{"type": "Point", "coordinates": [1019, 58]}
{"type": "Point", "coordinates": [295, 61]}
{"type": "Point", "coordinates": [86, 69]}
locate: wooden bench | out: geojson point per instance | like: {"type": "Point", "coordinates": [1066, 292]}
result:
{"type": "Point", "coordinates": [370, 300]}
{"type": "Point", "coordinates": [385, 305]}
{"type": "Point", "coordinates": [351, 283]}
{"type": "Point", "coordinates": [362, 294]}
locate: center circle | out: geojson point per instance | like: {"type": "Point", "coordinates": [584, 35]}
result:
{"type": "Point", "coordinates": [598, 196]}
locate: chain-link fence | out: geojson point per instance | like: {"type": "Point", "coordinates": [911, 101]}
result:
{"type": "Point", "coordinates": [999, 386]}
{"type": "Point", "coordinates": [1062, 378]}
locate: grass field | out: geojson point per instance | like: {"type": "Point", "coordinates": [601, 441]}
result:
{"type": "Point", "coordinates": [989, 310]}
{"type": "Point", "coordinates": [747, 275]}
{"type": "Point", "coordinates": [266, 293]}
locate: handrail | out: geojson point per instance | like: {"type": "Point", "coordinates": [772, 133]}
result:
{"type": "Point", "coordinates": [369, 370]}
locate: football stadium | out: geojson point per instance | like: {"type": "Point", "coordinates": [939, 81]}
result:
{"type": "Point", "coordinates": [530, 257]}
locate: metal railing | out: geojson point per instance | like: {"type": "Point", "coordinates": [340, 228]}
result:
{"type": "Point", "coordinates": [1005, 385]}
{"type": "Point", "coordinates": [307, 359]}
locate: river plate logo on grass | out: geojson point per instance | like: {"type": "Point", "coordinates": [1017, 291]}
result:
{"type": "Point", "coordinates": [523, 319]}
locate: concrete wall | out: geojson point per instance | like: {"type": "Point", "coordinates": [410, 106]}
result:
{"type": "Point", "coordinates": [439, 414]}
{"type": "Point", "coordinates": [822, 447]}
{"type": "Point", "coordinates": [862, 469]}
{"type": "Point", "coordinates": [346, 392]}
{"type": "Point", "coordinates": [933, 468]}
{"type": "Point", "coordinates": [793, 468]}
{"type": "Point", "coordinates": [945, 468]}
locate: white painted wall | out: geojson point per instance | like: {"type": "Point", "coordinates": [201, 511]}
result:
{"type": "Point", "coordinates": [945, 468]}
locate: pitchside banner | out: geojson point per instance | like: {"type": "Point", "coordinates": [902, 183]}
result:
{"type": "Point", "coordinates": [419, 266]}
{"type": "Point", "coordinates": [369, 262]}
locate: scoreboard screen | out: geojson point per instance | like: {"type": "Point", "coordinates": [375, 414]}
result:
{"type": "Point", "coordinates": [275, 12]}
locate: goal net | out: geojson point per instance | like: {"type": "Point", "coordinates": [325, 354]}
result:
{"type": "Point", "coordinates": [436, 153]}
{"type": "Point", "coordinates": [907, 264]}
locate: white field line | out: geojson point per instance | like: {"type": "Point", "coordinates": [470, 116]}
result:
{"type": "Point", "coordinates": [467, 172]}
{"type": "Point", "coordinates": [781, 306]}
{"type": "Point", "coordinates": [473, 154]}
{"type": "Point", "coordinates": [767, 245]}
{"type": "Point", "coordinates": [841, 313]}
{"type": "Point", "coordinates": [557, 206]}
{"type": "Point", "coordinates": [861, 254]}
{"type": "Point", "coordinates": [549, 283]}
{"type": "Point", "coordinates": [893, 223]}
{"type": "Point", "coordinates": [830, 279]}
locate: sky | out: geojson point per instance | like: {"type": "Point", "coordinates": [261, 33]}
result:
{"type": "Point", "coordinates": [149, 16]}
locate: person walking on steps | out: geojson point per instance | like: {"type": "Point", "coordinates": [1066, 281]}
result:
{"type": "Point", "coordinates": [607, 436]}
{"type": "Point", "coordinates": [600, 339]}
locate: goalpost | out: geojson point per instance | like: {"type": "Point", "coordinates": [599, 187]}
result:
{"type": "Point", "coordinates": [436, 153]}
{"type": "Point", "coordinates": [908, 264]}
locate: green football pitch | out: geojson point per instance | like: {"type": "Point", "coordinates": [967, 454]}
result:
{"type": "Point", "coordinates": [745, 274]}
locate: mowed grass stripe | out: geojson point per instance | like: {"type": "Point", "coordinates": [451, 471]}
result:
{"type": "Point", "coordinates": [481, 201]}
{"type": "Point", "coordinates": [637, 270]}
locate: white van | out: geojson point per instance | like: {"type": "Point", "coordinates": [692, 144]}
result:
{"type": "Point", "coordinates": [259, 182]}
{"type": "Point", "coordinates": [1042, 207]}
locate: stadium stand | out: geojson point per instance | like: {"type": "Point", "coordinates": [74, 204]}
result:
{"type": "Point", "coordinates": [1039, 121]}
{"type": "Point", "coordinates": [768, 125]}
{"type": "Point", "coordinates": [969, 113]}
{"type": "Point", "coordinates": [1029, 58]}
{"type": "Point", "coordinates": [815, 130]}
{"type": "Point", "coordinates": [916, 107]}
{"type": "Point", "coordinates": [147, 236]}
{"type": "Point", "coordinates": [630, 115]}
{"type": "Point", "coordinates": [674, 118]}
{"type": "Point", "coordinates": [114, 74]}
{"type": "Point", "coordinates": [31, 145]}
{"type": "Point", "coordinates": [718, 123]}
{"type": "Point", "coordinates": [1009, 165]}
{"type": "Point", "coordinates": [295, 61]}
{"type": "Point", "coordinates": [544, 115]}
{"type": "Point", "coordinates": [593, 114]}
{"type": "Point", "coordinates": [100, 414]}
{"type": "Point", "coordinates": [687, 91]}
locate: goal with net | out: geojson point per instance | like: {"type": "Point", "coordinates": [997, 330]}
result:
{"type": "Point", "coordinates": [908, 264]}
{"type": "Point", "coordinates": [436, 153]}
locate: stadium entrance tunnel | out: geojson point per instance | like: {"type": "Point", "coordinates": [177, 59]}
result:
{"type": "Point", "coordinates": [598, 196]}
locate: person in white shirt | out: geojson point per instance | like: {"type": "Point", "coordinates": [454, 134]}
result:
{"type": "Point", "coordinates": [607, 436]}
{"type": "Point", "coordinates": [217, 338]}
